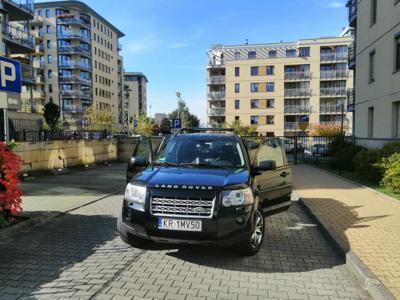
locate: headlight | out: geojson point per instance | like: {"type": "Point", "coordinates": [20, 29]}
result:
{"type": "Point", "coordinates": [135, 195]}
{"type": "Point", "coordinates": [237, 197]}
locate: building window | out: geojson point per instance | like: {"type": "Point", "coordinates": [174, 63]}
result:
{"type": "Point", "coordinates": [396, 119]}
{"type": "Point", "coordinates": [251, 54]}
{"type": "Point", "coordinates": [50, 88]}
{"type": "Point", "coordinates": [49, 59]}
{"type": "Point", "coordinates": [270, 86]}
{"type": "Point", "coordinates": [237, 104]}
{"type": "Point", "coordinates": [370, 119]}
{"type": "Point", "coordinates": [40, 12]}
{"type": "Point", "coordinates": [48, 44]}
{"type": "Point", "coordinates": [371, 66]}
{"type": "Point", "coordinates": [270, 120]}
{"type": "Point", "coordinates": [291, 52]}
{"type": "Point", "coordinates": [254, 71]}
{"type": "Point", "coordinates": [237, 71]}
{"type": "Point", "coordinates": [272, 53]}
{"type": "Point", "coordinates": [48, 13]}
{"type": "Point", "coordinates": [304, 51]}
{"type": "Point", "coordinates": [270, 103]}
{"type": "Point", "coordinates": [254, 120]}
{"type": "Point", "coordinates": [397, 52]}
{"type": "Point", "coordinates": [237, 118]}
{"type": "Point", "coordinates": [374, 9]}
{"type": "Point", "coordinates": [254, 87]}
{"type": "Point", "coordinates": [48, 29]}
{"type": "Point", "coordinates": [237, 55]}
{"type": "Point", "coordinates": [270, 70]}
{"type": "Point", "coordinates": [49, 73]}
{"type": "Point", "coordinates": [237, 87]}
{"type": "Point", "coordinates": [254, 103]}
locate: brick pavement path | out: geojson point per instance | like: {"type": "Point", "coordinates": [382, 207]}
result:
{"type": "Point", "coordinates": [367, 222]}
{"type": "Point", "coordinates": [80, 256]}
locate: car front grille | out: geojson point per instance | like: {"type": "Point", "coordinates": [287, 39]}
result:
{"type": "Point", "coordinates": [182, 207]}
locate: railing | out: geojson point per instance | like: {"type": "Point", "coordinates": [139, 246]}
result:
{"type": "Point", "coordinates": [216, 95]}
{"type": "Point", "coordinates": [73, 64]}
{"type": "Point", "coordinates": [291, 126]}
{"type": "Point", "coordinates": [216, 111]}
{"type": "Point", "coordinates": [23, 4]}
{"type": "Point", "coordinates": [297, 109]}
{"type": "Point", "coordinates": [73, 109]}
{"type": "Point", "coordinates": [352, 11]}
{"type": "Point", "coordinates": [37, 19]}
{"type": "Point", "coordinates": [73, 20]}
{"type": "Point", "coordinates": [27, 73]}
{"type": "Point", "coordinates": [333, 74]}
{"type": "Point", "coordinates": [336, 123]}
{"type": "Point", "coordinates": [77, 79]}
{"type": "Point", "coordinates": [331, 109]}
{"type": "Point", "coordinates": [297, 92]}
{"type": "Point", "coordinates": [352, 55]}
{"type": "Point", "coordinates": [297, 75]}
{"type": "Point", "coordinates": [18, 35]}
{"type": "Point", "coordinates": [216, 64]}
{"type": "Point", "coordinates": [216, 79]}
{"type": "Point", "coordinates": [74, 49]}
{"type": "Point", "coordinates": [46, 135]}
{"type": "Point", "coordinates": [40, 79]}
{"type": "Point", "coordinates": [73, 35]}
{"type": "Point", "coordinates": [334, 56]}
{"type": "Point", "coordinates": [333, 91]}
{"type": "Point", "coordinates": [76, 94]}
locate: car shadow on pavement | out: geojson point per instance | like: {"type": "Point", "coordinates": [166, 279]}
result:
{"type": "Point", "coordinates": [60, 257]}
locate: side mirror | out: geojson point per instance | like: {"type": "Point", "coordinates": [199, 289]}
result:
{"type": "Point", "coordinates": [266, 165]}
{"type": "Point", "coordinates": [138, 161]}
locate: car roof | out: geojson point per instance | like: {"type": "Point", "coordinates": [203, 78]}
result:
{"type": "Point", "coordinates": [203, 135]}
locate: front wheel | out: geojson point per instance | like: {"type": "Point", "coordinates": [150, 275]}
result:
{"type": "Point", "coordinates": [253, 244]}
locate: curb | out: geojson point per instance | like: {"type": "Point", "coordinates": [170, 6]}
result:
{"type": "Point", "coordinates": [363, 274]}
{"type": "Point", "coordinates": [43, 217]}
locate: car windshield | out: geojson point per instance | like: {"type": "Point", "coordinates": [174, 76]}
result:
{"type": "Point", "coordinates": [202, 152]}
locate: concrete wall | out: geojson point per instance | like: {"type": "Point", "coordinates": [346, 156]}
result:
{"type": "Point", "coordinates": [49, 155]}
{"type": "Point", "coordinates": [126, 148]}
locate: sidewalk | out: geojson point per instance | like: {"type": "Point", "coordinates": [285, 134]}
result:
{"type": "Point", "coordinates": [366, 222]}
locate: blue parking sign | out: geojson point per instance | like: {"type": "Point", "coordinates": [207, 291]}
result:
{"type": "Point", "coordinates": [304, 118]}
{"type": "Point", "coordinates": [10, 75]}
{"type": "Point", "coordinates": [176, 123]}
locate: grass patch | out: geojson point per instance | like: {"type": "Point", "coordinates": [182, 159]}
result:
{"type": "Point", "coordinates": [354, 177]}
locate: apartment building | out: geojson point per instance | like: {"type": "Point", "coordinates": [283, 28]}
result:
{"type": "Point", "coordinates": [282, 88]}
{"type": "Point", "coordinates": [80, 53]}
{"type": "Point", "coordinates": [375, 59]}
{"type": "Point", "coordinates": [135, 95]}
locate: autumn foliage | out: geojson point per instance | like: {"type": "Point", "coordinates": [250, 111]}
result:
{"type": "Point", "coordinates": [325, 130]}
{"type": "Point", "coordinates": [10, 194]}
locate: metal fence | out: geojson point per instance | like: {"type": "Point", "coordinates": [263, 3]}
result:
{"type": "Point", "coordinates": [48, 135]}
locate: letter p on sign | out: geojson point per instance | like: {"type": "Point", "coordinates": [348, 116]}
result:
{"type": "Point", "coordinates": [10, 75]}
{"type": "Point", "coordinates": [4, 65]}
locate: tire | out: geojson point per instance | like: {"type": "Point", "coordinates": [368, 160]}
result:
{"type": "Point", "coordinates": [253, 244]}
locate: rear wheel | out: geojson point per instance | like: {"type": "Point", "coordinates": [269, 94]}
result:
{"type": "Point", "coordinates": [253, 244]}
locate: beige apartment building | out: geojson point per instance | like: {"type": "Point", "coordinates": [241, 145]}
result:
{"type": "Point", "coordinates": [375, 58]}
{"type": "Point", "coordinates": [278, 86]}
{"type": "Point", "coordinates": [135, 96]}
{"type": "Point", "coordinates": [79, 50]}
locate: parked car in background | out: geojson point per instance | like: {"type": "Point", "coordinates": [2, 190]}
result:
{"type": "Point", "coordinates": [289, 145]}
{"type": "Point", "coordinates": [317, 149]}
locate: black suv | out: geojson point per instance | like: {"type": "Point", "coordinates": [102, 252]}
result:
{"type": "Point", "coordinates": [204, 186]}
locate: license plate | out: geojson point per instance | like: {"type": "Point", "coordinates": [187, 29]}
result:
{"type": "Point", "coordinates": [179, 224]}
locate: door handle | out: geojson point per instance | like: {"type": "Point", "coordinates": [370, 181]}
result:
{"type": "Point", "coordinates": [284, 174]}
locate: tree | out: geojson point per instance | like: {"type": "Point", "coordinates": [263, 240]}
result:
{"type": "Point", "coordinates": [145, 126]}
{"type": "Point", "coordinates": [99, 119]}
{"type": "Point", "coordinates": [188, 119]}
{"type": "Point", "coordinates": [325, 130]}
{"type": "Point", "coordinates": [51, 115]}
{"type": "Point", "coordinates": [242, 129]}
{"type": "Point", "coordinates": [165, 126]}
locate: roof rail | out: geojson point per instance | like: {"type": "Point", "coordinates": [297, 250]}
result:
{"type": "Point", "coordinates": [201, 129]}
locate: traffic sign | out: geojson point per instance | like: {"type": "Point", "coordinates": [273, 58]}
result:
{"type": "Point", "coordinates": [176, 123]}
{"type": "Point", "coordinates": [10, 75]}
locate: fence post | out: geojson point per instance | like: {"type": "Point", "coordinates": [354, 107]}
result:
{"type": "Point", "coordinates": [75, 134]}
{"type": "Point", "coordinates": [316, 154]}
{"type": "Point", "coordinates": [104, 133]}
{"type": "Point", "coordinates": [295, 150]}
{"type": "Point", "coordinates": [24, 135]}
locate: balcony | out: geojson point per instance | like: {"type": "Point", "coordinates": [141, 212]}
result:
{"type": "Point", "coordinates": [73, 109]}
{"type": "Point", "coordinates": [297, 109]}
{"type": "Point", "coordinates": [352, 56]}
{"type": "Point", "coordinates": [37, 20]}
{"type": "Point", "coordinates": [216, 64]}
{"type": "Point", "coordinates": [298, 76]}
{"type": "Point", "coordinates": [19, 40]}
{"type": "Point", "coordinates": [333, 74]}
{"type": "Point", "coordinates": [216, 112]}
{"type": "Point", "coordinates": [119, 46]}
{"type": "Point", "coordinates": [335, 123]}
{"type": "Point", "coordinates": [351, 97]}
{"type": "Point", "coordinates": [331, 109]}
{"type": "Point", "coordinates": [73, 65]}
{"type": "Point", "coordinates": [352, 12]}
{"type": "Point", "coordinates": [19, 9]}
{"type": "Point", "coordinates": [75, 94]}
{"type": "Point", "coordinates": [219, 79]}
{"type": "Point", "coordinates": [75, 79]}
{"type": "Point", "coordinates": [75, 49]}
{"type": "Point", "coordinates": [27, 74]}
{"type": "Point", "coordinates": [334, 56]}
{"type": "Point", "coordinates": [291, 126]}
{"type": "Point", "coordinates": [39, 49]}
{"type": "Point", "coordinates": [333, 91]}
{"type": "Point", "coordinates": [296, 93]}
{"type": "Point", "coordinates": [40, 79]}
{"type": "Point", "coordinates": [37, 64]}
{"type": "Point", "coordinates": [216, 95]}
{"type": "Point", "coordinates": [64, 20]}
{"type": "Point", "coordinates": [71, 35]}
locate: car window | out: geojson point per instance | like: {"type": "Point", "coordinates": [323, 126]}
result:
{"type": "Point", "coordinates": [143, 149]}
{"type": "Point", "coordinates": [271, 149]}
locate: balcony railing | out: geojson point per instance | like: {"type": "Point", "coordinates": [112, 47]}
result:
{"type": "Point", "coordinates": [75, 79]}
{"type": "Point", "coordinates": [216, 95]}
{"type": "Point", "coordinates": [336, 123]}
{"type": "Point", "coordinates": [297, 109]}
{"type": "Point", "coordinates": [216, 79]}
{"type": "Point", "coordinates": [352, 11]}
{"type": "Point", "coordinates": [333, 74]}
{"type": "Point", "coordinates": [334, 56]}
{"type": "Point", "coordinates": [301, 92]}
{"type": "Point", "coordinates": [331, 109]}
{"type": "Point", "coordinates": [333, 91]}
{"type": "Point", "coordinates": [18, 36]}
{"type": "Point", "coordinates": [22, 4]}
{"type": "Point", "coordinates": [27, 73]}
{"type": "Point", "coordinates": [74, 64]}
{"type": "Point", "coordinates": [352, 55]}
{"type": "Point", "coordinates": [291, 126]}
{"type": "Point", "coordinates": [351, 97]}
{"type": "Point", "coordinates": [40, 79]}
{"type": "Point", "coordinates": [73, 109]}
{"type": "Point", "coordinates": [75, 94]}
{"type": "Point", "coordinates": [73, 35]}
{"type": "Point", "coordinates": [37, 20]}
{"type": "Point", "coordinates": [300, 75]}
{"type": "Point", "coordinates": [216, 111]}
{"type": "Point", "coordinates": [216, 64]}
{"type": "Point", "coordinates": [74, 49]}
{"type": "Point", "coordinates": [73, 20]}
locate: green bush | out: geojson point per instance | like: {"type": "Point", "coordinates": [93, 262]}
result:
{"type": "Point", "coordinates": [365, 164]}
{"type": "Point", "coordinates": [337, 143]}
{"type": "Point", "coordinates": [391, 148]}
{"type": "Point", "coordinates": [344, 158]}
{"type": "Point", "coordinates": [391, 175]}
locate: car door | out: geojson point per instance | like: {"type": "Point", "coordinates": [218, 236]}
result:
{"type": "Point", "coordinates": [142, 149]}
{"type": "Point", "coordinates": [273, 186]}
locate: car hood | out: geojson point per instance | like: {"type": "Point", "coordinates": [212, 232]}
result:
{"type": "Point", "coordinates": [160, 176]}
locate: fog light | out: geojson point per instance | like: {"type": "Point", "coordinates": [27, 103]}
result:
{"type": "Point", "coordinates": [240, 220]}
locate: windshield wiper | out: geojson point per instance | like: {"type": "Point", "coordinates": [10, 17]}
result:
{"type": "Point", "coordinates": [207, 165]}
{"type": "Point", "coordinates": [170, 164]}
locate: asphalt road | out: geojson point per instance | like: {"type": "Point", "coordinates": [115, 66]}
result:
{"type": "Point", "coordinates": [80, 256]}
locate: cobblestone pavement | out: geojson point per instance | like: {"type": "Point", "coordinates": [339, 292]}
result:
{"type": "Point", "coordinates": [80, 256]}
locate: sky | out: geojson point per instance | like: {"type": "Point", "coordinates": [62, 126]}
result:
{"type": "Point", "coordinates": [167, 40]}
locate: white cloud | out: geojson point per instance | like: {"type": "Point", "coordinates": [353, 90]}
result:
{"type": "Point", "coordinates": [146, 44]}
{"type": "Point", "coordinates": [336, 4]}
